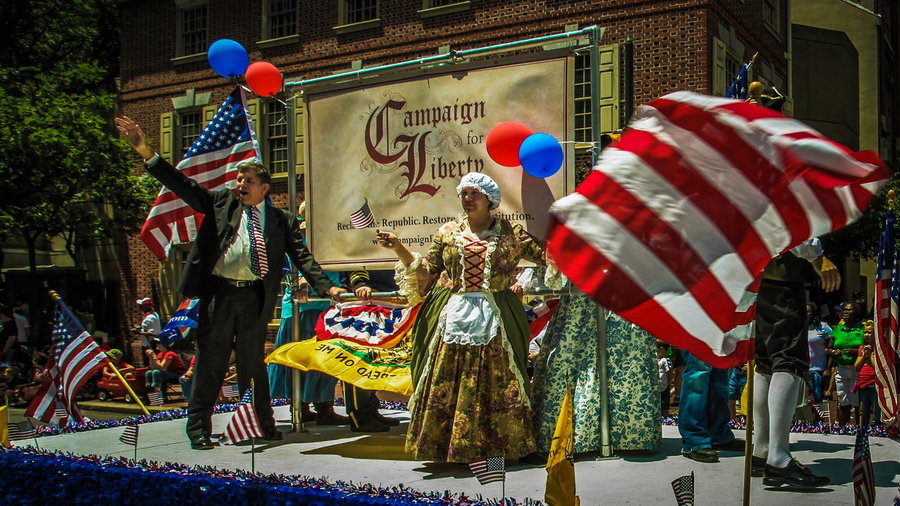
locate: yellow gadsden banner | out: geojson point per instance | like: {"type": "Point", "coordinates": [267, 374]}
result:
{"type": "Point", "coordinates": [398, 150]}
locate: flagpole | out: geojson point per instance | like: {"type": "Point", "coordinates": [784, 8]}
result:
{"type": "Point", "coordinates": [56, 298]}
{"type": "Point", "coordinates": [748, 435]}
{"type": "Point", "coordinates": [252, 437]}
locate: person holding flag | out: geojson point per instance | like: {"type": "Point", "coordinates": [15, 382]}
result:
{"type": "Point", "coordinates": [228, 267]}
{"type": "Point", "coordinates": [782, 348]}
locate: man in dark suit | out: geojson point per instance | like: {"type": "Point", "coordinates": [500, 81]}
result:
{"type": "Point", "coordinates": [228, 270]}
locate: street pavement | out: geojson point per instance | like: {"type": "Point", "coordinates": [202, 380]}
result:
{"type": "Point", "coordinates": [336, 453]}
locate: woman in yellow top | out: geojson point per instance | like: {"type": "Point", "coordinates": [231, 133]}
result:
{"type": "Point", "coordinates": [470, 341]}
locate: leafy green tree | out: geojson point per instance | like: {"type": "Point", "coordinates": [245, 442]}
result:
{"type": "Point", "coordinates": [61, 162]}
{"type": "Point", "coordinates": [63, 170]}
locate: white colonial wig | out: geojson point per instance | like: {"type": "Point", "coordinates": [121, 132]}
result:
{"type": "Point", "coordinates": [484, 184]}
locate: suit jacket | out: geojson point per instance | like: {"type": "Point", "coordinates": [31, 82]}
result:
{"type": "Point", "coordinates": [222, 215]}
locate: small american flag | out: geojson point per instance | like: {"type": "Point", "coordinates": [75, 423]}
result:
{"type": "Point", "coordinates": [243, 425]}
{"type": "Point", "coordinates": [229, 391]}
{"type": "Point", "coordinates": [212, 162]}
{"type": "Point", "coordinates": [863, 475]}
{"type": "Point", "coordinates": [489, 469]}
{"type": "Point", "coordinates": [21, 430]}
{"type": "Point", "coordinates": [155, 398]}
{"type": "Point", "coordinates": [363, 218]}
{"type": "Point", "coordinates": [76, 358]}
{"type": "Point", "coordinates": [674, 226]}
{"type": "Point", "coordinates": [684, 489]}
{"type": "Point", "coordinates": [130, 436]}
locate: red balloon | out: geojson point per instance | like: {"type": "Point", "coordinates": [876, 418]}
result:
{"type": "Point", "coordinates": [263, 78]}
{"type": "Point", "coordinates": [504, 140]}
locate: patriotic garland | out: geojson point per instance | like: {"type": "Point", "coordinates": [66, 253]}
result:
{"type": "Point", "coordinates": [31, 476]}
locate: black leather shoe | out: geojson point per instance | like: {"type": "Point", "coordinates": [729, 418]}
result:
{"type": "Point", "coordinates": [392, 422]}
{"type": "Point", "coordinates": [735, 445]}
{"type": "Point", "coordinates": [794, 474]}
{"type": "Point", "coordinates": [759, 466]}
{"type": "Point", "coordinates": [703, 455]}
{"type": "Point", "coordinates": [370, 426]}
{"type": "Point", "coordinates": [534, 459]}
{"type": "Point", "coordinates": [202, 443]}
{"type": "Point", "coordinates": [275, 435]}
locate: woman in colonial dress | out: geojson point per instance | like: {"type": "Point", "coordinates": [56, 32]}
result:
{"type": "Point", "coordinates": [470, 342]}
{"type": "Point", "coordinates": [570, 355]}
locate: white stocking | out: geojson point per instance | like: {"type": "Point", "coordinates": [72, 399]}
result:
{"type": "Point", "coordinates": [761, 414]}
{"type": "Point", "coordinates": [782, 403]}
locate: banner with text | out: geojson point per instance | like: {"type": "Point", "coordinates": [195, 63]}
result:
{"type": "Point", "coordinates": [391, 155]}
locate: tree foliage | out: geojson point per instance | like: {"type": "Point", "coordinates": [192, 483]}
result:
{"type": "Point", "coordinates": [860, 240]}
{"type": "Point", "coordinates": [61, 162]}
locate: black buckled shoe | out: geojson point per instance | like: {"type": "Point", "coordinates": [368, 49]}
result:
{"type": "Point", "coordinates": [794, 474]}
{"type": "Point", "coordinates": [707, 455]}
{"type": "Point", "coordinates": [370, 426]}
{"type": "Point", "coordinates": [759, 466]}
{"type": "Point", "coordinates": [392, 422]}
{"type": "Point", "coordinates": [274, 435]}
{"type": "Point", "coordinates": [735, 445]}
{"type": "Point", "coordinates": [202, 443]}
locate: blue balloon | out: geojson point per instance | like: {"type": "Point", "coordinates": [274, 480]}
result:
{"type": "Point", "coordinates": [228, 58]}
{"type": "Point", "coordinates": [541, 155]}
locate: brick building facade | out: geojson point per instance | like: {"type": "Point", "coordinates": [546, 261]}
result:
{"type": "Point", "coordinates": [168, 87]}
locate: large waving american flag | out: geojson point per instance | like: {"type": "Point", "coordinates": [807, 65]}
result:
{"type": "Point", "coordinates": [76, 358]}
{"type": "Point", "coordinates": [675, 225]}
{"type": "Point", "coordinates": [211, 161]}
{"type": "Point", "coordinates": [887, 300]}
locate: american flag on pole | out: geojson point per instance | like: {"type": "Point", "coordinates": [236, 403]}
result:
{"type": "Point", "coordinates": [155, 398]}
{"type": "Point", "coordinates": [675, 225]}
{"type": "Point", "coordinates": [244, 424]}
{"type": "Point", "coordinates": [684, 489]}
{"type": "Point", "coordinates": [363, 217]}
{"type": "Point", "coordinates": [230, 390]}
{"type": "Point", "coordinates": [211, 161]}
{"type": "Point", "coordinates": [76, 358]}
{"type": "Point", "coordinates": [21, 430]}
{"type": "Point", "coordinates": [130, 436]}
{"type": "Point", "coordinates": [863, 475]}
{"type": "Point", "coordinates": [489, 469]}
{"type": "Point", "coordinates": [740, 86]}
{"type": "Point", "coordinates": [887, 300]}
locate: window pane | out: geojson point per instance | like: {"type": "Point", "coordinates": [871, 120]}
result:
{"type": "Point", "coordinates": [361, 10]}
{"type": "Point", "coordinates": [276, 138]}
{"type": "Point", "coordinates": [582, 98]}
{"type": "Point", "coordinates": [190, 124]}
{"type": "Point", "coordinates": [439, 3]}
{"type": "Point", "coordinates": [193, 30]}
{"type": "Point", "coordinates": [282, 18]}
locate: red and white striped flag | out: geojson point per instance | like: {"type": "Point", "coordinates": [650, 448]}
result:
{"type": "Point", "coordinates": [363, 217]}
{"type": "Point", "coordinates": [130, 436]}
{"type": "Point", "coordinates": [863, 474]}
{"type": "Point", "coordinates": [212, 162]}
{"type": "Point", "coordinates": [887, 299]}
{"type": "Point", "coordinates": [675, 225]}
{"type": "Point", "coordinates": [230, 390]}
{"type": "Point", "coordinates": [243, 425]}
{"type": "Point", "coordinates": [489, 469]}
{"type": "Point", "coordinates": [76, 358]}
{"type": "Point", "coordinates": [155, 398]}
{"type": "Point", "coordinates": [21, 430]}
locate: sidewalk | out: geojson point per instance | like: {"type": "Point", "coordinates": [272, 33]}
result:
{"type": "Point", "coordinates": [335, 453]}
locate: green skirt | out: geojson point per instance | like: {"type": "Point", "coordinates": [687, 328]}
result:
{"type": "Point", "coordinates": [471, 401]}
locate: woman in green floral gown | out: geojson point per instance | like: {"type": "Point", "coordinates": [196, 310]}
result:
{"type": "Point", "coordinates": [569, 354]}
{"type": "Point", "coordinates": [470, 396]}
